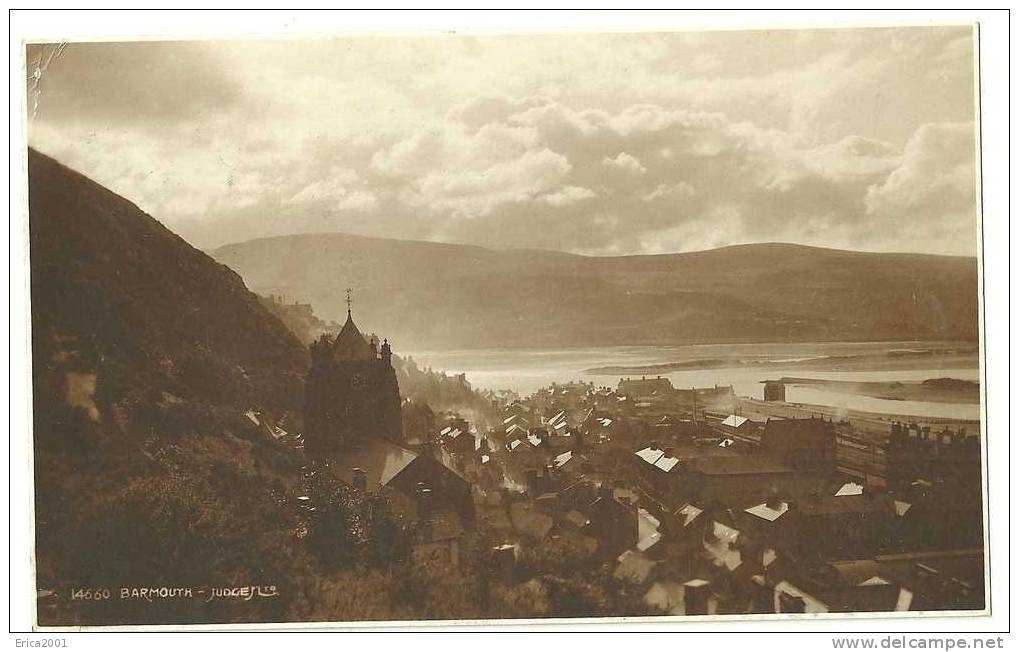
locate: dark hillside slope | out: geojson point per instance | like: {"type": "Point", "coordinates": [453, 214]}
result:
{"type": "Point", "coordinates": [154, 311]}
{"type": "Point", "coordinates": [146, 355]}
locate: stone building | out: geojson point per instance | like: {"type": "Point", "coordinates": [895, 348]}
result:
{"type": "Point", "coordinates": [351, 393]}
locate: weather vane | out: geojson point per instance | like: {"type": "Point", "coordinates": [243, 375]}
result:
{"type": "Point", "coordinates": [349, 299]}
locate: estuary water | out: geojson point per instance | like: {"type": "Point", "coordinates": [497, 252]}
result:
{"type": "Point", "coordinates": [744, 366]}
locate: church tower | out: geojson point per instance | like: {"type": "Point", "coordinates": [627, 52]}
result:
{"type": "Point", "coordinates": [351, 392]}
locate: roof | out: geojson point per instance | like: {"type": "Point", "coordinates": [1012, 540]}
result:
{"type": "Point", "coordinates": [634, 566]}
{"type": "Point", "coordinates": [562, 459]}
{"type": "Point", "coordinates": [380, 460]}
{"type": "Point", "coordinates": [811, 604]}
{"type": "Point", "coordinates": [647, 530]}
{"type": "Point", "coordinates": [739, 465]}
{"type": "Point", "coordinates": [576, 519]}
{"type": "Point", "coordinates": [666, 463]}
{"type": "Point", "coordinates": [666, 596]}
{"type": "Point", "coordinates": [578, 540]}
{"type": "Point", "coordinates": [650, 455]}
{"type": "Point", "coordinates": [645, 386]}
{"type": "Point", "coordinates": [529, 521]}
{"type": "Point", "coordinates": [734, 421]}
{"type": "Point", "coordinates": [721, 546]}
{"type": "Point", "coordinates": [797, 434]}
{"type": "Point", "coordinates": [350, 344]}
{"type": "Point", "coordinates": [850, 489]}
{"type": "Point", "coordinates": [766, 512]}
{"type": "Point", "coordinates": [688, 513]}
{"type": "Point", "coordinates": [825, 505]}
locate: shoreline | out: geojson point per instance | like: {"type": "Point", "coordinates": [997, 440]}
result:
{"type": "Point", "coordinates": [932, 390]}
{"type": "Point", "coordinates": [872, 423]}
{"type": "Point", "coordinates": [890, 361]}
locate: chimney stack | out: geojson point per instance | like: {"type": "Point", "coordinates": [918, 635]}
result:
{"type": "Point", "coordinates": [360, 479]}
{"type": "Point", "coordinates": [791, 604]}
{"type": "Point", "coordinates": [424, 503]}
{"type": "Point", "coordinates": [532, 480]}
{"type": "Point", "coordinates": [695, 597]}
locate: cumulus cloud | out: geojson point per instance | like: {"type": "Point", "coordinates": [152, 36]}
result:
{"type": "Point", "coordinates": [624, 162]}
{"type": "Point", "coordinates": [934, 186]}
{"type": "Point", "coordinates": [616, 143]}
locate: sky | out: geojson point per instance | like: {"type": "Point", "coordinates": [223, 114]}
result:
{"type": "Point", "coordinates": [602, 144]}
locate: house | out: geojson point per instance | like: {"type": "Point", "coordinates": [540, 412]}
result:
{"type": "Point", "coordinates": [457, 439]}
{"type": "Point", "coordinates": [439, 538]}
{"type": "Point", "coordinates": [529, 523]}
{"type": "Point", "coordinates": [613, 523]}
{"type": "Point", "coordinates": [740, 427]}
{"type": "Point", "coordinates": [634, 567]}
{"type": "Point", "coordinates": [418, 424]}
{"type": "Point", "coordinates": [672, 428]}
{"type": "Point", "coordinates": [736, 480]}
{"type": "Point", "coordinates": [399, 473]}
{"type": "Point", "coordinates": [710, 474]}
{"type": "Point", "coordinates": [843, 526]}
{"type": "Point", "coordinates": [803, 444]}
{"type": "Point", "coordinates": [645, 388]}
{"type": "Point", "coordinates": [774, 390]}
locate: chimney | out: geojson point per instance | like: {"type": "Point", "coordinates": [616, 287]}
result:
{"type": "Point", "coordinates": [791, 604]}
{"type": "Point", "coordinates": [504, 561]}
{"type": "Point", "coordinates": [669, 450]}
{"type": "Point", "coordinates": [763, 595]}
{"type": "Point", "coordinates": [424, 503]}
{"type": "Point", "coordinates": [773, 502]}
{"type": "Point", "coordinates": [695, 597]}
{"type": "Point", "coordinates": [360, 479]}
{"type": "Point", "coordinates": [532, 480]}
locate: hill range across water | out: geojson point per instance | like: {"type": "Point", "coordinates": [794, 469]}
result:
{"type": "Point", "coordinates": [450, 296]}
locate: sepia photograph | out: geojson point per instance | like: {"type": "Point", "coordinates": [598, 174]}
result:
{"type": "Point", "coordinates": [562, 326]}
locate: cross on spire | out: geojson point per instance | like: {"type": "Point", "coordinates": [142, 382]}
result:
{"type": "Point", "coordinates": [349, 300]}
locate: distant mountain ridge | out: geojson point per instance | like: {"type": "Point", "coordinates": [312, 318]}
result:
{"type": "Point", "coordinates": [436, 295]}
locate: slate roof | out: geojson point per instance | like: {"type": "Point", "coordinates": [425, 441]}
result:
{"type": "Point", "coordinates": [380, 460]}
{"type": "Point", "coordinates": [350, 344]}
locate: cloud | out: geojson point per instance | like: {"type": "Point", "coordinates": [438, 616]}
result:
{"type": "Point", "coordinates": [618, 143]}
{"type": "Point", "coordinates": [667, 191]}
{"type": "Point", "coordinates": [934, 187]}
{"type": "Point", "coordinates": [624, 162]}
{"type": "Point", "coordinates": [144, 82]}
{"type": "Point", "coordinates": [335, 190]}
{"type": "Point", "coordinates": [568, 195]}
